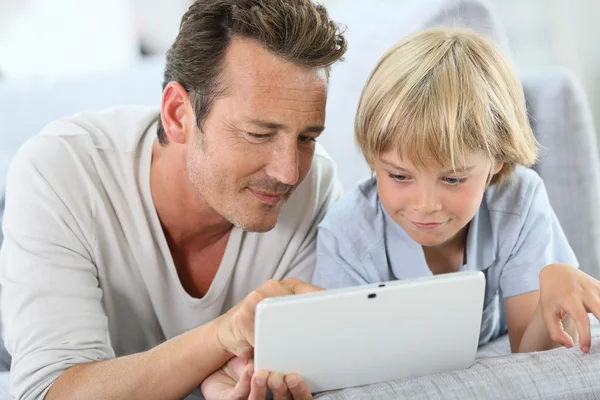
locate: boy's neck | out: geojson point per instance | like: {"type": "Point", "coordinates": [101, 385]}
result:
{"type": "Point", "coordinates": [449, 256]}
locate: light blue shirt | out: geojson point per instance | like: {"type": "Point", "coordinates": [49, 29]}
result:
{"type": "Point", "coordinates": [514, 234]}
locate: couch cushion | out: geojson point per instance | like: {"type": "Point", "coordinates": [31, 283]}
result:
{"type": "Point", "coordinates": [554, 374]}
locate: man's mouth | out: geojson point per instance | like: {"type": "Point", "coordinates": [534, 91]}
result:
{"type": "Point", "coordinates": [269, 198]}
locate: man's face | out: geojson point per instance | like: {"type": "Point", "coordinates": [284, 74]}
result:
{"type": "Point", "coordinates": [258, 140]}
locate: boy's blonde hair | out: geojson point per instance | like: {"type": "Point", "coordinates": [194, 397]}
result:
{"type": "Point", "coordinates": [440, 94]}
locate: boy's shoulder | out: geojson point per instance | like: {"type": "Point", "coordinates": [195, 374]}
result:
{"type": "Point", "coordinates": [357, 215]}
{"type": "Point", "coordinates": [517, 193]}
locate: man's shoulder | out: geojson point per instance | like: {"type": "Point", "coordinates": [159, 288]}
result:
{"type": "Point", "coordinates": [72, 149]}
{"type": "Point", "coordinates": [323, 169]}
{"type": "Point", "coordinates": [118, 128]}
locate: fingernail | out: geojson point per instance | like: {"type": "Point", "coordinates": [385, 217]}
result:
{"type": "Point", "coordinates": [277, 381]}
{"type": "Point", "coordinates": [292, 382]}
{"type": "Point", "coordinates": [250, 373]}
{"type": "Point", "coordinates": [261, 381]}
{"type": "Point", "coordinates": [585, 349]}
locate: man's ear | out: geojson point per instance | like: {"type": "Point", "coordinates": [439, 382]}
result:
{"type": "Point", "coordinates": [175, 112]}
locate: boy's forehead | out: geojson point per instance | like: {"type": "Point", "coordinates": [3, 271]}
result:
{"type": "Point", "coordinates": [425, 160]}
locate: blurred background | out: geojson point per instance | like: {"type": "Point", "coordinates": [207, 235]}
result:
{"type": "Point", "coordinates": [44, 41]}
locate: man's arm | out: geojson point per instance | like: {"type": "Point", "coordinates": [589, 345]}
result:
{"type": "Point", "coordinates": [169, 371]}
{"type": "Point", "coordinates": [55, 326]}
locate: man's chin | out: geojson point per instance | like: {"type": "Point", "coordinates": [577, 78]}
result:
{"type": "Point", "coordinates": [259, 227]}
{"type": "Point", "coordinates": [261, 222]}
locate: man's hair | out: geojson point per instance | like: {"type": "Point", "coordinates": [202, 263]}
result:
{"type": "Point", "coordinates": [440, 94]}
{"type": "Point", "coordinates": [299, 31]}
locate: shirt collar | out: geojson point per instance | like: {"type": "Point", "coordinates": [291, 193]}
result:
{"type": "Point", "coordinates": [480, 241]}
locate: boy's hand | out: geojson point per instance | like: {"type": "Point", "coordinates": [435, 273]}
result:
{"type": "Point", "coordinates": [567, 291]}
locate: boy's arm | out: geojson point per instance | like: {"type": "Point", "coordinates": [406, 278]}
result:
{"type": "Point", "coordinates": [540, 243]}
{"type": "Point", "coordinates": [526, 328]}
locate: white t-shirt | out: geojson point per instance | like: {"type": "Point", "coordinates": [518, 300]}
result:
{"type": "Point", "coordinates": [85, 269]}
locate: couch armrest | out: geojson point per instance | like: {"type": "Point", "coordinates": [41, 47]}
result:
{"type": "Point", "coordinates": [569, 164]}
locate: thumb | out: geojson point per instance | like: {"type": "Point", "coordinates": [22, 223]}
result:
{"type": "Point", "coordinates": [242, 388]}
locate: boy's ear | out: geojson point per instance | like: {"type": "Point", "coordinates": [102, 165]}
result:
{"type": "Point", "coordinates": [497, 167]}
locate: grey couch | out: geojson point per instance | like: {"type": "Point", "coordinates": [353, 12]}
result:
{"type": "Point", "coordinates": [550, 375]}
{"type": "Point", "coordinates": [569, 165]}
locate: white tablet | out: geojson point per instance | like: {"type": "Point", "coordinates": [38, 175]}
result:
{"type": "Point", "coordinates": [366, 334]}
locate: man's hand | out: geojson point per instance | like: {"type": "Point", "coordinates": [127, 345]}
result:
{"type": "Point", "coordinates": [235, 329]}
{"type": "Point", "coordinates": [236, 380]}
{"type": "Point", "coordinates": [566, 292]}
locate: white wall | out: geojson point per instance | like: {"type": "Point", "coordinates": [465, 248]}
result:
{"type": "Point", "coordinates": [56, 38]}
{"type": "Point", "coordinates": [557, 32]}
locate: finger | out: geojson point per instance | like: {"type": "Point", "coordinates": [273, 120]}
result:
{"type": "Point", "coordinates": [258, 387]}
{"type": "Point", "coordinates": [582, 323]}
{"type": "Point", "coordinates": [593, 305]}
{"type": "Point", "coordinates": [298, 387]}
{"type": "Point", "coordinates": [296, 286]}
{"type": "Point", "coordinates": [278, 386]}
{"type": "Point", "coordinates": [274, 288]}
{"type": "Point", "coordinates": [553, 319]}
{"type": "Point", "coordinates": [236, 366]}
{"type": "Point", "coordinates": [242, 388]}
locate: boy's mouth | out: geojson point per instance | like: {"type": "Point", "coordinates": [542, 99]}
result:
{"type": "Point", "coordinates": [426, 225]}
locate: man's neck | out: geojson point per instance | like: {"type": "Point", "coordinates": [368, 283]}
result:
{"type": "Point", "coordinates": [188, 222]}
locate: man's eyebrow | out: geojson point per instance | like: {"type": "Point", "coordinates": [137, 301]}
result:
{"type": "Point", "coordinates": [266, 124]}
{"type": "Point", "coordinates": [274, 125]}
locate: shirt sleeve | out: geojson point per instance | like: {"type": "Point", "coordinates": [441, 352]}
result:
{"type": "Point", "coordinates": [51, 300]}
{"type": "Point", "coordinates": [540, 242]}
{"type": "Point", "coordinates": [337, 265]}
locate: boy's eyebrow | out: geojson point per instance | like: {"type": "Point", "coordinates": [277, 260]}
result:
{"type": "Point", "coordinates": [391, 164]}
{"type": "Point", "coordinates": [468, 168]}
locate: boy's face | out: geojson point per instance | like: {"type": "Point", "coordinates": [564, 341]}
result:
{"type": "Point", "coordinates": [432, 205]}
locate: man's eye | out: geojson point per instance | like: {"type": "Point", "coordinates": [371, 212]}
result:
{"type": "Point", "coordinates": [259, 136]}
{"type": "Point", "coordinates": [307, 139]}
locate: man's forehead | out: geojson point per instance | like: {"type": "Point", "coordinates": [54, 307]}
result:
{"type": "Point", "coordinates": [250, 64]}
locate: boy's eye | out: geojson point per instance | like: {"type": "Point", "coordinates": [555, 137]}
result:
{"type": "Point", "coordinates": [452, 180]}
{"type": "Point", "coordinates": [399, 178]}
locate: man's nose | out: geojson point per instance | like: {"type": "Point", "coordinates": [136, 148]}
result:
{"type": "Point", "coordinates": [285, 163]}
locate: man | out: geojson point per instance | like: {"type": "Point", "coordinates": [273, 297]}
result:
{"type": "Point", "coordinates": [131, 263]}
